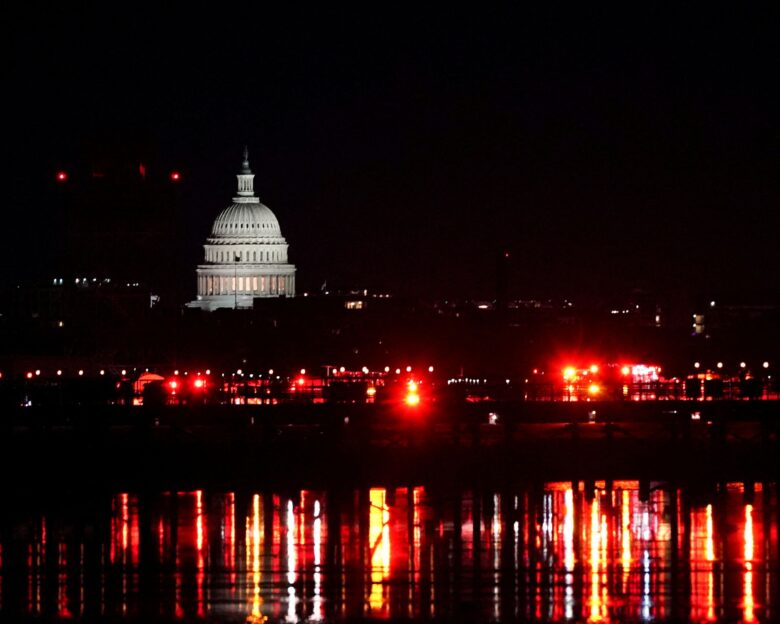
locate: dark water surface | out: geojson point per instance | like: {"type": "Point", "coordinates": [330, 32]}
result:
{"type": "Point", "coordinates": [603, 551]}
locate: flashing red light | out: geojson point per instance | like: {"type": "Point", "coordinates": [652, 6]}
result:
{"type": "Point", "coordinates": [412, 399]}
{"type": "Point", "coordinates": [62, 176]}
{"type": "Point", "coordinates": [173, 384]}
{"type": "Point", "coordinates": [199, 383]}
{"type": "Point", "coordinates": [29, 375]}
{"type": "Point", "coordinates": [625, 370]}
{"type": "Point", "coordinates": [301, 381]}
{"type": "Point", "coordinates": [175, 176]}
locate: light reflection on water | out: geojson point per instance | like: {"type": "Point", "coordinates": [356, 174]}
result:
{"type": "Point", "coordinates": [558, 552]}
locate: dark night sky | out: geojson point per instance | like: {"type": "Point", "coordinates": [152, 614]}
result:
{"type": "Point", "coordinates": [401, 149]}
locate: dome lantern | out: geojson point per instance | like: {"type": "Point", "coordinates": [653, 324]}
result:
{"type": "Point", "coordinates": [246, 179]}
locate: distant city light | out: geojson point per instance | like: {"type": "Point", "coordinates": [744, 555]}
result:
{"type": "Point", "coordinates": [720, 364]}
{"type": "Point", "coordinates": [303, 371]}
{"type": "Point", "coordinates": [62, 176]}
{"type": "Point", "coordinates": [371, 391]}
{"type": "Point", "coordinates": [696, 364]}
{"type": "Point", "coordinates": [342, 369]}
{"type": "Point", "coordinates": [365, 370]}
{"type": "Point", "coordinates": [742, 365]}
{"type": "Point", "coordinates": [37, 371]}
{"type": "Point", "coordinates": [408, 369]}
{"type": "Point", "coordinates": [199, 383]}
{"type": "Point", "coordinates": [594, 389]}
{"type": "Point", "coordinates": [175, 176]}
{"type": "Point", "coordinates": [594, 368]}
{"type": "Point", "coordinates": [81, 372]}
{"type": "Point", "coordinates": [387, 369]}
{"type": "Point", "coordinates": [625, 370]}
{"type": "Point", "coordinates": [430, 369]}
{"type": "Point", "coordinates": [397, 371]}
{"type": "Point", "coordinates": [59, 372]}
{"type": "Point", "coordinates": [102, 372]}
{"type": "Point", "coordinates": [765, 365]}
{"type": "Point", "coordinates": [569, 372]}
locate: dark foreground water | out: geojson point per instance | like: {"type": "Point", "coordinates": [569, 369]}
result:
{"type": "Point", "coordinates": [596, 552]}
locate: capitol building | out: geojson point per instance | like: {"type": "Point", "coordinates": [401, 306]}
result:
{"type": "Point", "coordinates": [245, 255]}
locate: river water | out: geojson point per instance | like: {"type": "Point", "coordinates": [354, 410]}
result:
{"type": "Point", "coordinates": [598, 551]}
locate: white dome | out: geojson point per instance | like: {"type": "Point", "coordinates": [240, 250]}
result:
{"type": "Point", "coordinates": [247, 221]}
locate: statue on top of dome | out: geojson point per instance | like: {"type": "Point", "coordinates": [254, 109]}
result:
{"type": "Point", "coordinates": [245, 163]}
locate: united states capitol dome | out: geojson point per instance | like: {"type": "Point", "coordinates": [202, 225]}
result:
{"type": "Point", "coordinates": [246, 221]}
{"type": "Point", "coordinates": [245, 254]}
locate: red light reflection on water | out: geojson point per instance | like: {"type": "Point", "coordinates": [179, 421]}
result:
{"type": "Point", "coordinates": [592, 554]}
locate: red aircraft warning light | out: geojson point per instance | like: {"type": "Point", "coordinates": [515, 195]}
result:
{"type": "Point", "coordinates": [62, 176]}
{"type": "Point", "coordinates": [175, 176]}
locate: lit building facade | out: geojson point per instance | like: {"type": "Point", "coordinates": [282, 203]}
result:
{"type": "Point", "coordinates": [245, 255]}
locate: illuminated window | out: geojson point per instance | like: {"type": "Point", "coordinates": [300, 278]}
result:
{"type": "Point", "coordinates": [254, 284]}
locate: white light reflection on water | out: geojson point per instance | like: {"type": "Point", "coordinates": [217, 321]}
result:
{"type": "Point", "coordinates": [317, 602]}
{"type": "Point", "coordinates": [292, 600]}
{"type": "Point", "coordinates": [568, 544]}
{"type": "Point", "coordinates": [748, 605]}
